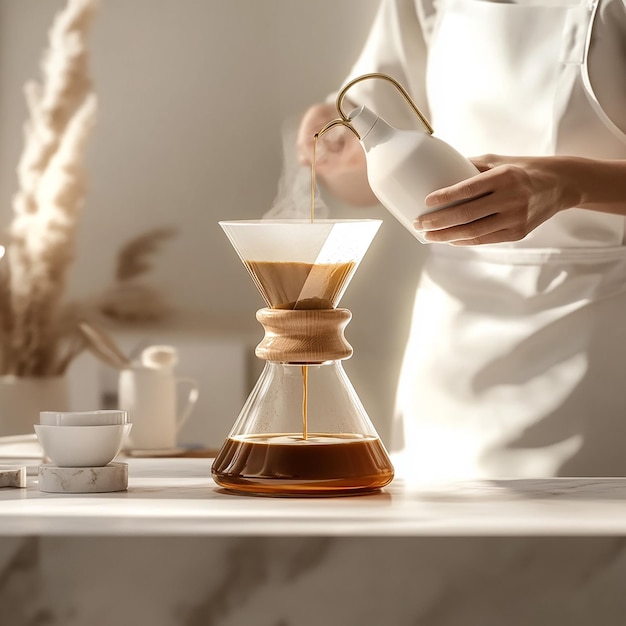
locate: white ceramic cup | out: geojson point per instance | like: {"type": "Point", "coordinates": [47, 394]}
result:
{"type": "Point", "coordinates": [82, 446]}
{"type": "Point", "coordinates": [151, 397]}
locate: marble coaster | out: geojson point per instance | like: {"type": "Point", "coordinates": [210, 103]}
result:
{"type": "Point", "coordinates": [111, 477]}
{"type": "Point", "coordinates": [13, 476]}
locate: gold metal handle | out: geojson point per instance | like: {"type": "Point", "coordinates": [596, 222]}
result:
{"type": "Point", "coordinates": [345, 120]}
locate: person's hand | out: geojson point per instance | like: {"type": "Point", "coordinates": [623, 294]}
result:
{"type": "Point", "coordinates": [337, 149]}
{"type": "Point", "coordinates": [506, 201]}
{"type": "Point", "coordinates": [339, 158]}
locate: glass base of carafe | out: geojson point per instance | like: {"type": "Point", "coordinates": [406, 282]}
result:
{"type": "Point", "coordinates": [286, 464]}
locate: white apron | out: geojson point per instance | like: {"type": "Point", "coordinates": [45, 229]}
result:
{"type": "Point", "coordinates": [516, 360]}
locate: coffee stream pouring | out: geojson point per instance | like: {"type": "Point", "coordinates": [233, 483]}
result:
{"type": "Point", "coordinates": [403, 166]}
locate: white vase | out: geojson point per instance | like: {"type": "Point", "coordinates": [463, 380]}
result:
{"type": "Point", "coordinates": [22, 399]}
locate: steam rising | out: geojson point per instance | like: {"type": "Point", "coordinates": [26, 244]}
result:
{"type": "Point", "coordinates": [293, 199]}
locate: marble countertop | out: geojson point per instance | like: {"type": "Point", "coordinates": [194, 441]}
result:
{"type": "Point", "coordinates": [177, 497]}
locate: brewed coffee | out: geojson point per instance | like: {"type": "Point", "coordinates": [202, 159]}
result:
{"type": "Point", "coordinates": [287, 464]}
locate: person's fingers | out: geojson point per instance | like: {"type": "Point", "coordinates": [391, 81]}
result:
{"type": "Point", "coordinates": [483, 230]}
{"type": "Point", "coordinates": [463, 213]}
{"type": "Point", "coordinates": [474, 187]}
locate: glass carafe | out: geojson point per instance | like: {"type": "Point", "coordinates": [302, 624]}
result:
{"type": "Point", "coordinates": [303, 430]}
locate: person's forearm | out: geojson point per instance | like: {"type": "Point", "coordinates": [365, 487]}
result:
{"type": "Point", "coordinates": [601, 184]}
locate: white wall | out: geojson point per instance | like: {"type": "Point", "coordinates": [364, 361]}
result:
{"type": "Point", "coordinates": [193, 97]}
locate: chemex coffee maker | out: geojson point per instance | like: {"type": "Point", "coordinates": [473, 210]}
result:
{"type": "Point", "coordinates": [303, 430]}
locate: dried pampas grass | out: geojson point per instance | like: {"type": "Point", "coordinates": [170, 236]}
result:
{"type": "Point", "coordinates": [62, 110]}
{"type": "Point", "coordinates": [132, 258]}
{"type": "Point", "coordinates": [128, 300]}
{"type": "Point", "coordinates": [38, 331]}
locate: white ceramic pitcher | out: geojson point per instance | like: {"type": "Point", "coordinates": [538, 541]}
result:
{"type": "Point", "coordinates": [152, 395]}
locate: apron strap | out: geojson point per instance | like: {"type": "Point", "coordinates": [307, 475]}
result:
{"type": "Point", "coordinates": [589, 90]}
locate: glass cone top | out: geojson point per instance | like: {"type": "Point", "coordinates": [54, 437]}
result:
{"type": "Point", "coordinates": [299, 264]}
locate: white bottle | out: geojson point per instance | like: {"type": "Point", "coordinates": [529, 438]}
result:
{"type": "Point", "coordinates": [404, 166]}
